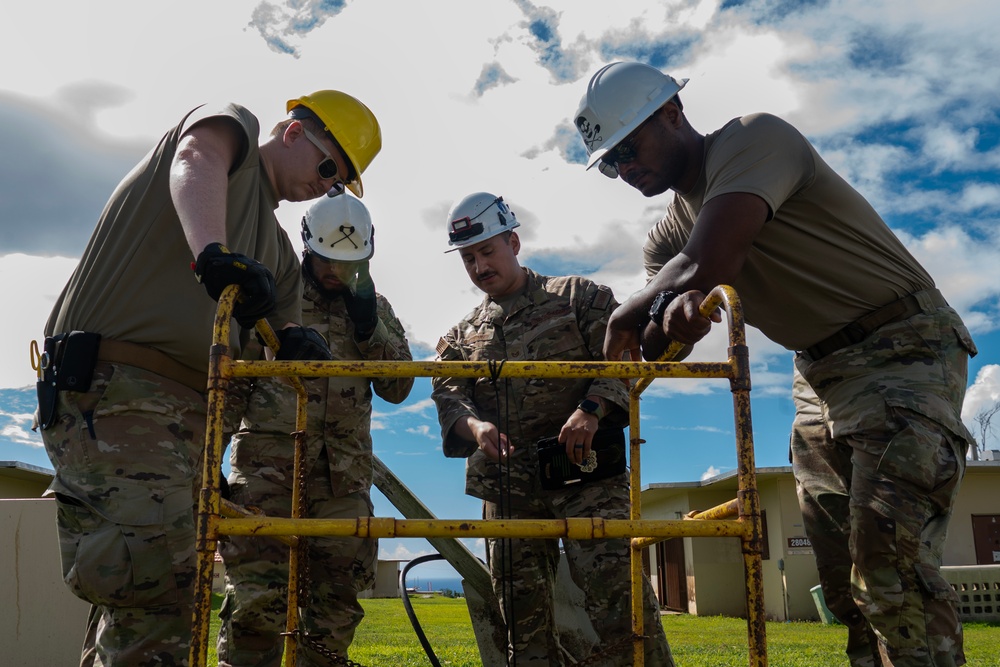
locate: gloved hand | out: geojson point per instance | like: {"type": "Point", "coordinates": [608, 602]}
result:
{"type": "Point", "coordinates": [302, 344]}
{"type": "Point", "coordinates": [361, 306]}
{"type": "Point", "coordinates": [216, 268]}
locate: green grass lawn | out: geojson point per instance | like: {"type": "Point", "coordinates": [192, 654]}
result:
{"type": "Point", "coordinates": [386, 638]}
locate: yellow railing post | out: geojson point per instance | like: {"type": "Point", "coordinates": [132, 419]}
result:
{"type": "Point", "coordinates": [641, 533]}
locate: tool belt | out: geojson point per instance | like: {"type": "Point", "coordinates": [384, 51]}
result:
{"type": "Point", "coordinates": [860, 329]}
{"type": "Point", "coordinates": [68, 362]}
{"type": "Point", "coordinates": [557, 471]}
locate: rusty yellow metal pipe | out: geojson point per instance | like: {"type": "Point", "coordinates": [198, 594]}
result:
{"type": "Point", "coordinates": [724, 511]}
{"type": "Point", "coordinates": [477, 369]}
{"type": "Point", "coordinates": [387, 527]}
{"type": "Point", "coordinates": [709, 524]}
{"type": "Point", "coordinates": [210, 497]}
{"type": "Point", "coordinates": [231, 510]}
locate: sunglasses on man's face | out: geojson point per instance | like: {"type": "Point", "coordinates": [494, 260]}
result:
{"type": "Point", "coordinates": [327, 169]}
{"type": "Point", "coordinates": [626, 150]}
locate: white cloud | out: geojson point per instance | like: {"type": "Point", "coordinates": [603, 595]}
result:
{"type": "Point", "coordinates": [423, 430]}
{"type": "Point", "coordinates": [982, 396]}
{"type": "Point", "coordinates": [18, 429]}
{"type": "Point", "coordinates": [710, 473]}
{"type": "Point", "coordinates": [33, 284]}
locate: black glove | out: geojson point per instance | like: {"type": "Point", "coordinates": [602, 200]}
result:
{"type": "Point", "coordinates": [361, 306]}
{"type": "Point", "coordinates": [218, 268]}
{"type": "Point", "coordinates": [302, 344]}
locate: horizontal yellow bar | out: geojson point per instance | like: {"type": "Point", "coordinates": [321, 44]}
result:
{"type": "Point", "coordinates": [726, 510]}
{"type": "Point", "coordinates": [577, 529]}
{"type": "Point", "coordinates": [476, 369]}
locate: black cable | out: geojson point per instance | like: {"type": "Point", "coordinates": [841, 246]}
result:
{"type": "Point", "coordinates": [409, 608]}
{"type": "Point", "coordinates": [505, 482]}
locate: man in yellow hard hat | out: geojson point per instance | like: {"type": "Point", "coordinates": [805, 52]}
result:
{"type": "Point", "coordinates": [122, 405]}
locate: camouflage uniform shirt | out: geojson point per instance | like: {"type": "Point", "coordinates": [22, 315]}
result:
{"type": "Point", "coordinates": [553, 319]}
{"type": "Point", "coordinates": [339, 410]}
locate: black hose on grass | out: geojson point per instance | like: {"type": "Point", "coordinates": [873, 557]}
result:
{"type": "Point", "coordinates": [409, 608]}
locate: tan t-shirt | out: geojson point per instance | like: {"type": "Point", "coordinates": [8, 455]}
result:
{"type": "Point", "coordinates": [134, 282]}
{"type": "Point", "coordinates": [824, 259]}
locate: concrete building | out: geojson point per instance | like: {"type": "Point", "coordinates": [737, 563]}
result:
{"type": "Point", "coordinates": [704, 576]}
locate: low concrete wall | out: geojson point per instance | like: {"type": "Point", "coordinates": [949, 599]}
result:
{"type": "Point", "coordinates": [41, 623]}
{"type": "Point", "coordinates": [978, 588]}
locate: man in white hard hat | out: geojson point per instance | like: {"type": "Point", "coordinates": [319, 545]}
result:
{"type": "Point", "coordinates": [819, 272]}
{"type": "Point", "coordinates": [517, 433]}
{"type": "Point", "coordinates": [340, 303]}
{"type": "Point", "coordinates": [122, 403]}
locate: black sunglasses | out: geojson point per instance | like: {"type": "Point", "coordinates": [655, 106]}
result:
{"type": "Point", "coordinates": [626, 149]}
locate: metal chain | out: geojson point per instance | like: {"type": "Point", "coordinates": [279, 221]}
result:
{"type": "Point", "coordinates": [612, 649]}
{"type": "Point", "coordinates": [307, 639]}
{"type": "Point", "coordinates": [303, 553]}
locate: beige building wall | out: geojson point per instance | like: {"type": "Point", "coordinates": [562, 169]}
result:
{"type": "Point", "coordinates": [23, 480]}
{"type": "Point", "coordinates": [979, 494]}
{"type": "Point", "coordinates": [41, 623]}
{"type": "Point", "coordinates": [714, 566]}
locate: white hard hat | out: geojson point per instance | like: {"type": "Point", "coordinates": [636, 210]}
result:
{"type": "Point", "coordinates": [339, 229]}
{"type": "Point", "coordinates": [620, 96]}
{"type": "Point", "coordinates": [478, 217]}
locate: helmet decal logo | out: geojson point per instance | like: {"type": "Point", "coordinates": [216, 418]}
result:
{"type": "Point", "coordinates": [591, 135]}
{"type": "Point", "coordinates": [346, 232]}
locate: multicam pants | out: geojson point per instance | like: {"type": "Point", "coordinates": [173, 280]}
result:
{"type": "Point", "coordinates": [600, 568]}
{"type": "Point", "coordinates": [821, 468]}
{"type": "Point", "coordinates": [889, 481]}
{"type": "Point", "coordinates": [127, 456]}
{"type": "Point", "coordinates": [253, 613]}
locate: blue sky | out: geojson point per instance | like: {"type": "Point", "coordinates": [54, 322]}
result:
{"type": "Point", "coordinates": [902, 98]}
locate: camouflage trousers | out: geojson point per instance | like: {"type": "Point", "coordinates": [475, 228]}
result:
{"type": "Point", "coordinates": [127, 456]}
{"type": "Point", "coordinates": [254, 610]}
{"type": "Point", "coordinates": [823, 485]}
{"type": "Point", "coordinates": [877, 489]}
{"type": "Point", "coordinates": [523, 572]}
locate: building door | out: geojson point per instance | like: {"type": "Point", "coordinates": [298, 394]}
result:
{"type": "Point", "coordinates": [986, 535]}
{"type": "Point", "coordinates": [672, 582]}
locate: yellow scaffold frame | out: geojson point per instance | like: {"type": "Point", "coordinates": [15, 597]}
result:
{"type": "Point", "coordinates": [217, 517]}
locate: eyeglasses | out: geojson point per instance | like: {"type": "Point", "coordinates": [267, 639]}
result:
{"type": "Point", "coordinates": [328, 167]}
{"type": "Point", "coordinates": [626, 149]}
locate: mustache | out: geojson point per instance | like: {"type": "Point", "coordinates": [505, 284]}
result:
{"type": "Point", "coordinates": [484, 276]}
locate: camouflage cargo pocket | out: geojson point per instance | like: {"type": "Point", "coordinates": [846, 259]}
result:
{"type": "Point", "coordinates": [935, 585]}
{"type": "Point", "coordinates": [117, 552]}
{"type": "Point", "coordinates": [921, 452]}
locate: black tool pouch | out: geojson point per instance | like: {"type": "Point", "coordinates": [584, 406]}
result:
{"type": "Point", "coordinates": [557, 471]}
{"type": "Point", "coordinates": [67, 365]}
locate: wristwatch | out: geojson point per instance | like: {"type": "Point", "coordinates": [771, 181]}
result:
{"type": "Point", "coordinates": [659, 306]}
{"type": "Point", "coordinates": [591, 408]}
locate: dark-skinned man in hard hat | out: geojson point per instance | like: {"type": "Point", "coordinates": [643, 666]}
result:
{"type": "Point", "coordinates": [122, 404]}
{"type": "Point", "coordinates": [880, 356]}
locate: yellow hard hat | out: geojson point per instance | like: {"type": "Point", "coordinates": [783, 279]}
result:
{"type": "Point", "coordinates": [351, 124]}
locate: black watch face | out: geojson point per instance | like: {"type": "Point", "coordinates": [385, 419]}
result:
{"type": "Point", "coordinates": [588, 405]}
